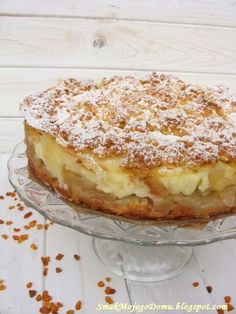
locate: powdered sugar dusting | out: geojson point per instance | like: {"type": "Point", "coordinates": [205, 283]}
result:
{"type": "Point", "coordinates": [157, 120]}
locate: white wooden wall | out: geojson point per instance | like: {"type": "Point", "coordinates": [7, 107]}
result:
{"type": "Point", "coordinates": [43, 40]}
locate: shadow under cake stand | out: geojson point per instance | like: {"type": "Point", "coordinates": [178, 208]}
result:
{"type": "Point", "coordinates": [142, 252]}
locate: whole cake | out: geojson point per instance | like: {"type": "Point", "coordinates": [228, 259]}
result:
{"type": "Point", "coordinates": [150, 148]}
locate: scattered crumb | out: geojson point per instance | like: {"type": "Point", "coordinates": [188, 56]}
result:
{"type": "Point", "coordinates": [59, 304]}
{"type": "Point", "coordinates": [26, 227]}
{"type": "Point", "coordinates": [32, 223]}
{"type": "Point", "coordinates": [1, 222]}
{"type": "Point", "coordinates": [39, 226]}
{"type": "Point", "coordinates": [220, 311]}
{"type": "Point", "coordinates": [100, 284]}
{"type": "Point", "coordinates": [59, 256]}
{"type": "Point", "coordinates": [27, 215]}
{"type": "Point", "coordinates": [21, 208]}
{"type": "Point", "coordinates": [23, 238]}
{"type": "Point", "coordinates": [78, 305]}
{"type": "Point", "coordinates": [45, 271]}
{"type": "Point", "coordinates": [44, 310]}
{"type": "Point", "coordinates": [11, 194]}
{"type": "Point", "coordinates": [32, 293]}
{"type": "Point", "coordinates": [9, 222]}
{"type": "Point", "coordinates": [109, 300]}
{"type": "Point", "coordinates": [108, 279]}
{"type": "Point", "coordinates": [39, 298]}
{"type": "Point", "coordinates": [29, 285]}
{"type": "Point", "coordinates": [34, 247]}
{"type": "Point", "coordinates": [227, 299]}
{"type": "Point", "coordinates": [70, 312]}
{"type": "Point", "coordinates": [2, 285]}
{"type": "Point", "coordinates": [11, 207]}
{"type": "Point", "coordinates": [209, 289]}
{"type": "Point", "coordinates": [230, 307]}
{"type": "Point", "coordinates": [195, 284]}
{"type": "Point", "coordinates": [15, 237]}
{"type": "Point", "coordinates": [46, 227]}
{"type": "Point", "coordinates": [1, 197]}
{"type": "Point", "coordinates": [109, 290]}
{"type": "Point", "coordinates": [45, 260]}
{"type": "Point", "coordinates": [77, 257]}
{"type": "Point", "coordinates": [4, 236]}
{"type": "Point", "coordinates": [58, 270]}
{"type": "Point", "coordinates": [45, 296]}
{"type": "Point", "coordinates": [16, 229]}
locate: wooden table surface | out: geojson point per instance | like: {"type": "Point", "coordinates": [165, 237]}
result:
{"type": "Point", "coordinates": [43, 40]}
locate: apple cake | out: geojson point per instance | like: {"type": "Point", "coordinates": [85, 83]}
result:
{"type": "Point", "coordinates": [143, 148]}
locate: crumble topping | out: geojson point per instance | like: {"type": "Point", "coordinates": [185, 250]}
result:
{"type": "Point", "coordinates": [153, 121]}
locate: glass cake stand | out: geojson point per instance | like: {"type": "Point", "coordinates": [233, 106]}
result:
{"type": "Point", "coordinates": [144, 251]}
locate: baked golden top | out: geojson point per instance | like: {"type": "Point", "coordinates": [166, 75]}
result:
{"type": "Point", "coordinates": [158, 120]}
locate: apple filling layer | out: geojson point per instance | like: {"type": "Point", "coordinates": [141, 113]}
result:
{"type": "Point", "coordinates": [104, 184]}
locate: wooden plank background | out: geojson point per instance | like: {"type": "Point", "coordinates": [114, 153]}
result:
{"type": "Point", "coordinates": [102, 44]}
{"type": "Point", "coordinates": [211, 12]}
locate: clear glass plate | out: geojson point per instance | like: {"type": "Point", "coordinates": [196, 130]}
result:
{"type": "Point", "coordinates": [138, 262]}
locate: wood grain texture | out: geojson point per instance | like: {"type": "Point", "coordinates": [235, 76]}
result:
{"type": "Point", "coordinates": [212, 12]}
{"type": "Point", "coordinates": [15, 84]}
{"type": "Point", "coordinates": [63, 42]}
{"type": "Point", "coordinates": [11, 133]}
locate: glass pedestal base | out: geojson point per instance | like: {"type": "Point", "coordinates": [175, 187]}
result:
{"type": "Point", "coordinates": [142, 263]}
